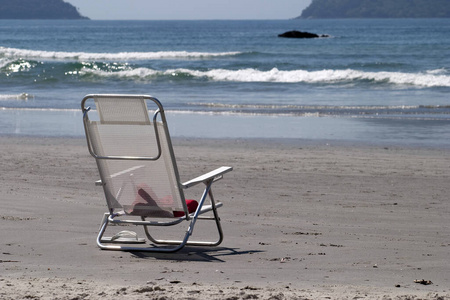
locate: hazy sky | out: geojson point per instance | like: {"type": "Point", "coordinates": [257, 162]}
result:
{"type": "Point", "coordinates": [189, 9]}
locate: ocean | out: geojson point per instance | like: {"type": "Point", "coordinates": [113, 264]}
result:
{"type": "Point", "coordinates": [377, 81]}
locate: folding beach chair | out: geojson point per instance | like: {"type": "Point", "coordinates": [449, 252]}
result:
{"type": "Point", "coordinates": [139, 174]}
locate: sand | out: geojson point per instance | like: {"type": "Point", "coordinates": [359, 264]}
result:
{"type": "Point", "coordinates": [301, 221]}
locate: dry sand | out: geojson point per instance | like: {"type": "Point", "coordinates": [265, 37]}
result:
{"type": "Point", "coordinates": [300, 222]}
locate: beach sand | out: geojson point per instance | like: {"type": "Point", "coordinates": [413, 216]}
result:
{"type": "Point", "coordinates": [301, 221]}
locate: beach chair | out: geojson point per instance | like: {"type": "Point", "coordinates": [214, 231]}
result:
{"type": "Point", "coordinates": [139, 175]}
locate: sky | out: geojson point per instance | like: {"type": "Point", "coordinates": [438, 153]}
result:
{"type": "Point", "coordinates": [190, 9]}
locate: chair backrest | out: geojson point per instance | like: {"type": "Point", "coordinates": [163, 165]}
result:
{"type": "Point", "coordinates": [134, 154]}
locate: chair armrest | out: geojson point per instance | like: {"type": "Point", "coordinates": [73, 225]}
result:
{"type": "Point", "coordinates": [215, 175]}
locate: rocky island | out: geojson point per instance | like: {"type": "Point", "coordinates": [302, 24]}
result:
{"type": "Point", "coordinates": [338, 9]}
{"type": "Point", "coordinates": [38, 9]}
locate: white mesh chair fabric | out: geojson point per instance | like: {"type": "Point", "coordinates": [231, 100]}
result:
{"type": "Point", "coordinates": [137, 165]}
{"type": "Point", "coordinates": [124, 131]}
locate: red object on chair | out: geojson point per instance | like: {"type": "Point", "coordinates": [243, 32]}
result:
{"type": "Point", "coordinates": [191, 205]}
{"type": "Point", "coordinates": [144, 198]}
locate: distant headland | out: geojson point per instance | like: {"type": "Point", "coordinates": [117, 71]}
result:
{"type": "Point", "coordinates": [339, 9]}
{"type": "Point", "coordinates": [38, 9]}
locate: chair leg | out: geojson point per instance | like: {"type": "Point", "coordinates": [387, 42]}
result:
{"type": "Point", "coordinates": [103, 246]}
{"type": "Point", "coordinates": [191, 243]}
{"type": "Point", "coordinates": [177, 244]}
{"type": "Point", "coordinates": [102, 230]}
{"type": "Point", "coordinates": [103, 226]}
{"type": "Point", "coordinates": [215, 217]}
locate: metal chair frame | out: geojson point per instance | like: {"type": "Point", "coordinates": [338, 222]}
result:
{"type": "Point", "coordinates": [114, 217]}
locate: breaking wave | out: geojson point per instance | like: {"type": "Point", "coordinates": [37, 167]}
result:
{"type": "Point", "coordinates": [428, 79]}
{"type": "Point", "coordinates": [22, 96]}
{"type": "Point", "coordinates": [23, 53]}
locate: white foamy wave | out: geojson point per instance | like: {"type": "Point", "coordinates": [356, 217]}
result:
{"type": "Point", "coordinates": [438, 71]}
{"type": "Point", "coordinates": [294, 76]}
{"type": "Point", "coordinates": [23, 96]}
{"type": "Point", "coordinates": [4, 62]}
{"type": "Point", "coordinates": [309, 107]}
{"type": "Point", "coordinates": [325, 76]}
{"type": "Point", "coordinates": [12, 52]}
{"type": "Point", "coordinates": [420, 79]}
{"type": "Point", "coordinates": [135, 73]}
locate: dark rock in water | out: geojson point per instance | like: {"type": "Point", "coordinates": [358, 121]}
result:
{"type": "Point", "coordinates": [301, 35]}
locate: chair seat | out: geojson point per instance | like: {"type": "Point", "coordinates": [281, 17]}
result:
{"type": "Point", "coordinates": [144, 199]}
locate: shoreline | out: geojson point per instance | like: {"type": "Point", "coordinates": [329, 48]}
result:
{"type": "Point", "coordinates": [310, 130]}
{"type": "Point", "coordinates": [311, 221]}
{"type": "Point", "coordinates": [256, 142]}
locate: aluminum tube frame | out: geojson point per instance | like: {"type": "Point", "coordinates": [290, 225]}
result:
{"type": "Point", "coordinates": [179, 244]}
{"type": "Point", "coordinates": [159, 111]}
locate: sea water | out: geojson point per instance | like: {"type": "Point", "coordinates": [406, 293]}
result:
{"type": "Point", "coordinates": [372, 81]}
